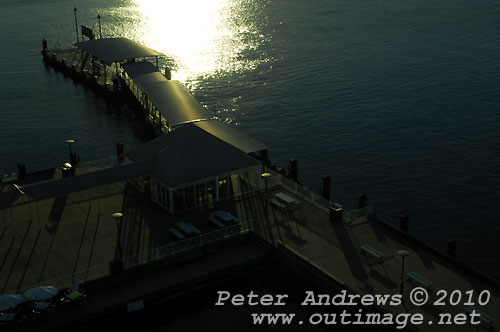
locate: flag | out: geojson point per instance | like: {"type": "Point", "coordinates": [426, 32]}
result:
{"type": "Point", "coordinates": [87, 32]}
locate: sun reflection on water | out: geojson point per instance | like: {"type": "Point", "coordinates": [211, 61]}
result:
{"type": "Point", "coordinates": [200, 38]}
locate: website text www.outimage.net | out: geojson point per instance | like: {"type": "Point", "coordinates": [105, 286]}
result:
{"type": "Point", "coordinates": [343, 303]}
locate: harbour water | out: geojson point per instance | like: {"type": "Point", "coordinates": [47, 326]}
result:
{"type": "Point", "coordinates": [399, 100]}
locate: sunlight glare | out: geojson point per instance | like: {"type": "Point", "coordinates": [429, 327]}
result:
{"type": "Point", "coordinates": [202, 37]}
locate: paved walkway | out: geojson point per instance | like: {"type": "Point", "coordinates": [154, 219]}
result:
{"type": "Point", "coordinates": [337, 249]}
{"type": "Point", "coordinates": [41, 242]}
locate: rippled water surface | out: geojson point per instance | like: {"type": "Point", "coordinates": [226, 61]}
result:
{"type": "Point", "coordinates": [399, 100]}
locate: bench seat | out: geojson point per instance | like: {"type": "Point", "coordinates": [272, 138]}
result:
{"type": "Point", "coordinates": [215, 222]}
{"type": "Point", "coordinates": [366, 249]}
{"type": "Point", "coordinates": [412, 276]}
{"type": "Point", "coordinates": [277, 203]}
{"type": "Point", "coordinates": [482, 316]}
{"type": "Point", "coordinates": [176, 233]}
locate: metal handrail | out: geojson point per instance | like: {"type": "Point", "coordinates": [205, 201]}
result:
{"type": "Point", "coordinates": [171, 249]}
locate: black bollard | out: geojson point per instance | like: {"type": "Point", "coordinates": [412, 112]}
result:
{"type": "Point", "coordinates": [119, 152]}
{"type": "Point", "coordinates": [403, 222]}
{"type": "Point", "coordinates": [264, 156]}
{"type": "Point", "coordinates": [67, 170]}
{"type": "Point", "coordinates": [294, 171]}
{"type": "Point", "coordinates": [452, 248]}
{"type": "Point", "coordinates": [44, 45]}
{"type": "Point", "coordinates": [336, 213]}
{"type": "Point", "coordinates": [21, 170]}
{"type": "Point", "coordinates": [325, 188]}
{"type": "Point", "coordinates": [362, 201]}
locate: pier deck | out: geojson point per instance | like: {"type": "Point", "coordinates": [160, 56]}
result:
{"type": "Point", "coordinates": [336, 248]}
{"type": "Point", "coordinates": [70, 61]}
{"type": "Point", "coordinates": [71, 234]}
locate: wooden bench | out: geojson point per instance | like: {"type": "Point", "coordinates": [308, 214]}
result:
{"type": "Point", "coordinates": [176, 233]}
{"type": "Point", "coordinates": [482, 316]}
{"type": "Point", "coordinates": [277, 204]}
{"type": "Point", "coordinates": [194, 229]}
{"type": "Point", "coordinates": [412, 276]}
{"type": "Point", "coordinates": [215, 222]}
{"type": "Point", "coordinates": [366, 249]}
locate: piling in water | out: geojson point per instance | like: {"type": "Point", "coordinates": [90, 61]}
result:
{"type": "Point", "coordinates": [362, 201]}
{"type": "Point", "coordinates": [325, 188]}
{"type": "Point", "coordinates": [403, 222]}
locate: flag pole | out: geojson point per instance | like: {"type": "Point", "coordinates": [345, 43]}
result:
{"type": "Point", "coordinates": [100, 31]}
{"type": "Point", "coordinates": [76, 25]}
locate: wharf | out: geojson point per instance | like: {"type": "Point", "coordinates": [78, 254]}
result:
{"type": "Point", "coordinates": [62, 233]}
{"type": "Point", "coordinates": [72, 62]}
{"type": "Point", "coordinates": [85, 241]}
{"type": "Point", "coordinates": [118, 65]}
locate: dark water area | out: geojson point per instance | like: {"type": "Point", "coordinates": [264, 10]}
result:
{"type": "Point", "coordinates": [399, 100]}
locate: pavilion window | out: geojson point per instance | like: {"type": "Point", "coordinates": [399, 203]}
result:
{"type": "Point", "coordinates": [158, 189]}
{"type": "Point", "coordinates": [178, 199]}
{"type": "Point", "coordinates": [211, 192]}
{"type": "Point", "coordinates": [189, 196]}
{"type": "Point", "coordinates": [153, 190]}
{"type": "Point", "coordinates": [163, 196]}
{"type": "Point", "coordinates": [223, 188]}
{"type": "Point", "coordinates": [201, 195]}
{"type": "Point", "coordinates": [254, 178]}
{"type": "Point", "coordinates": [234, 185]}
{"type": "Point", "coordinates": [169, 208]}
{"type": "Point", "coordinates": [244, 185]}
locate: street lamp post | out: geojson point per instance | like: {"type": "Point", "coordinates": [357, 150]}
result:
{"type": "Point", "coordinates": [118, 216]}
{"type": "Point", "coordinates": [69, 142]}
{"type": "Point", "coordinates": [403, 254]}
{"type": "Point", "coordinates": [265, 176]}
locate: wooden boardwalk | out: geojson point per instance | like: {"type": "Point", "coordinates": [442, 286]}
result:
{"type": "Point", "coordinates": [46, 241]}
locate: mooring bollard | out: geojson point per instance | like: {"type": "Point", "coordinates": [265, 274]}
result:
{"type": "Point", "coordinates": [452, 248]}
{"type": "Point", "coordinates": [325, 188]}
{"type": "Point", "coordinates": [362, 201]}
{"type": "Point", "coordinates": [403, 222]}
{"type": "Point", "coordinates": [66, 170]}
{"type": "Point", "coordinates": [294, 170]}
{"type": "Point", "coordinates": [119, 152]}
{"type": "Point", "coordinates": [336, 213]}
{"type": "Point", "coordinates": [21, 170]}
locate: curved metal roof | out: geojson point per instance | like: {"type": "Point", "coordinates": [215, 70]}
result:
{"type": "Point", "coordinates": [112, 50]}
{"type": "Point", "coordinates": [170, 97]}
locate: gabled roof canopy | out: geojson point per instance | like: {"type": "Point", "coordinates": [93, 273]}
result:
{"type": "Point", "coordinates": [232, 136]}
{"type": "Point", "coordinates": [112, 50]}
{"type": "Point", "coordinates": [188, 154]}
